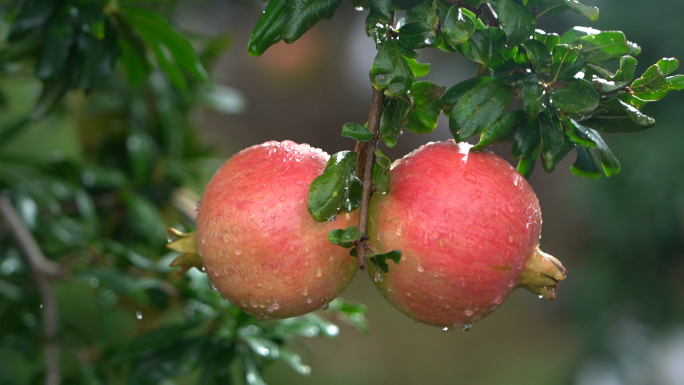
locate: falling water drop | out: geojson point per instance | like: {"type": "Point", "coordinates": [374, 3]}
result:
{"type": "Point", "coordinates": [467, 327]}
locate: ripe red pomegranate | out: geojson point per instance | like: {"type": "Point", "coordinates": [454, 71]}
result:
{"type": "Point", "coordinates": [259, 244]}
{"type": "Point", "coordinates": [468, 226]}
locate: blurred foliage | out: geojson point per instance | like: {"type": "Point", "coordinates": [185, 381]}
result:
{"type": "Point", "coordinates": [98, 156]}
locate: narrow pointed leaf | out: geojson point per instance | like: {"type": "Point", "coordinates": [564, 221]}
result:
{"type": "Point", "coordinates": [611, 165]}
{"type": "Point", "coordinates": [268, 29]}
{"type": "Point", "coordinates": [587, 164]}
{"type": "Point", "coordinates": [356, 131]}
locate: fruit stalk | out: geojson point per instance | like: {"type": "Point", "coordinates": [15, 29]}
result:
{"type": "Point", "coordinates": [364, 168]}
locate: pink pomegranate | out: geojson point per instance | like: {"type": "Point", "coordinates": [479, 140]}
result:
{"type": "Point", "coordinates": [468, 226]}
{"type": "Point", "coordinates": [259, 244]}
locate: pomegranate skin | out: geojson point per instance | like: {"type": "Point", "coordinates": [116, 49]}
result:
{"type": "Point", "coordinates": [467, 225]}
{"type": "Point", "coordinates": [259, 244]}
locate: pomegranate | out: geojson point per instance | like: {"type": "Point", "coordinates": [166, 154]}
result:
{"type": "Point", "coordinates": [258, 243]}
{"type": "Point", "coordinates": [468, 226]}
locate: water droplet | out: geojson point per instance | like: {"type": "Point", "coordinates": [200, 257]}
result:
{"type": "Point", "coordinates": [445, 329]}
{"type": "Point", "coordinates": [275, 305]}
{"type": "Point", "coordinates": [378, 277]}
{"type": "Point", "coordinates": [319, 273]}
{"type": "Point", "coordinates": [204, 241]}
{"type": "Point", "coordinates": [254, 304]}
{"type": "Point", "coordinates": [197, 208]}
{"type": "Point", "coordinates": [469, 177]}
{"type": "Point", "coordinates": [359, 9]}
{"type": "Point", "coordinates": [510, 238]}
{"type": "Point", "coordinates": [398, 231]}
{"type": "Point", "coordinates": [238, 252]}
{"type": "Point", "coordinates": [473, 198]}
{"type": "Point", "coordinates": [478, 193]}
{"type": "Point", "coordinates": [138, 314]}
{"type": "Point", "coordinates": [435, 234]}
{"type": "Point", "coordinates": [498, 300]}
{"type": "Point", "coordinates": [510, 208]}
{"type": "Point", "coordinates": [467, 327]}
{"type": "Point", "coordinates": [269, 309]}
{"type": "Point", "coordinates": [282, 198]}
{"type": "Point", "coordinates": [305, 292]}
{"type": "Point", "coordinates": [447, 306]}
{"type": "Point", "coordinates": [511, 283]}
{"type": "Point", "coordinates": [541, 296]}
{"type": "Point", "coordinates": [301, 201]}
{"type": "Point", "coordinates": [273, 215]}
{"type": "Point", "coordinates": [217, 274]}
{"type": "Point", "coordinates": [420, 269]}
{"type": "Point", "coordinates": [408, 294]}
{"type": "Point", "coordinates": [299, 183]}
{"type": "Point", "coordinates": [309, 300]}
{"type": "Point", "coordinates": [468, 312]}
{"type": "Point", "coordinates": [325, 306]}
{"type": "Point", "coordinates": [491, 194]}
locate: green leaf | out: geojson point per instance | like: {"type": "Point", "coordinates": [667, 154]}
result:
{"type": "Point", "coordinates": [668, 65]}
{"type": "Point", "coordinates": [99, 57]}
{"type": "Point", "coordinates": [380, 260]}
{"type": "Point", "coordinates": [626, 71]}
{"type": "Point", "coordinates": [575, 97]}
{"type": "Point", "coordinates": [455, 93]}
{"type": "Point", "coordinates": [526, 163]}
{"type": "Point", "coordinates": [606, 45]}
{"type": "Point", "coordinates": [610, 163]}
{"type": "Point", "coordinates": [381, 172]}
{"type": "Point", "coordinates": [537, 53]}
{"type": "Point", "coordinates": [553, 145]}
{"type": "Point", "coordinates": [531, 98]}
{"type": "Point", "coordinates": [56, 48]}
{"type": "Point", "coordinates": [671, 83]}
{"type": "Point", "coordinates": [32, 15]}
{"type": "Point", "coordinates": [304, 14]}
{"type": "Point", "coordinates": [333, 190]}
{"type": "Point", "coordinates": [390, 71]}
{"type": "Point", "coordinates": [576, 136]}
{"type": "Point", "coordinates": [357, 131]}
{"type": "Point", "coordinates": [418, 69]}
{"type": "Point", "coordinates": [425, 11]}
{"type": "Point", "coordinates": [133, 59]}
{"type": "Point", "coordinates": [158, 33]}
{"type": "Point", "coordinates": [503, 129]}
{"type": "Point", "coordinates": [379, 14]}
{"type": "Point", "coordinates": [478, 48]}
{"type": "Point", "coordinates": [566, 61]}
{"type": "Point", "coordinates": [550, 40]}
{"type": "Point", "coordinates": [268, 29]}
{"type": "Point", "coordinates": [424, 92]}
{"type": "Point", "coordinates": [393, 115]}
{"type": "Point", "coordinates": [423, 118]}
{"type": "Point", "coordinates": [614, 115]}
{"type": "Point", "coordinates": [592, 13]}
{"type": "Point", "coordinates": [517, 21]}
{"type": "Point", "coordinates": [417, 34]}
{"type": "Point", "coordinates": [478, 109]}
{"type": "Point", "coordinates": [587, 164]}
{"type": "Point", "coordinates": [651, 81]}
{"type": "Point", "coordinates": [346, 237]}
{"type": "Point", "coordinates": [457, 27]}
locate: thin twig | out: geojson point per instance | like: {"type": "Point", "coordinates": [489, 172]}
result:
{"type": "Point", "coordinates": [42, 269]}
{"type": "Point", "coordinates": [364, 168]}
{"type": "Point", "coordinates": [491, 16]}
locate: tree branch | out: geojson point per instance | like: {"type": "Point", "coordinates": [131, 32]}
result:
{"type": "Point", "coordinates": [364, 168]}
{"type": "Point", "coordinates": [43, 270]}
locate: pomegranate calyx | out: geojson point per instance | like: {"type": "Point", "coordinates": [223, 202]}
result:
{"type": "Point", "coordinates": [186, 244]}
{"type": "Point", "coordinates": [542, 274]}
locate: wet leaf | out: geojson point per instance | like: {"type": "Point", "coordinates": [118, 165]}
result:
{"type": "Point", "coordinates": [553, 144]}
{"type": "Point", "coordinates": [356, 131]}
{"type": "Point", "coordinates": [417, 34]}
{"type": "Point", "coordinates": [393, 116]}
{"type": "Point", "coordinates": [380, 260]}
{"type": "Point", "coordinates": [651, 81]}
{"type": "Point", "coordinates": [538, 54]}
{"type": "Point", "coordinates": [457, 27]}
{"type": "Point", "coordinates": [304, 14]}
{"type": "Point", "coordinates": [381, 172]}
{"type": "Point", "coordinates": [503, 129]}
{"type": "Point", "coordinates": [478, 48]}
{"type": "Point", "coordinates": [575, 97]}
{"type": "Point", "coordinates": [531, 98]}
{"type": "Point", "coordinates": [268, 29]}
{"type": "Point", "coordinates": [610, 163]}
{"type": "Point", "coordinates": [455, 93]}
{"type": "Point", "coordinates": [418, 69]}
{"type": "Point", "coordinates": [424, 92]}
{"type": "Point", "coordinates": [346, 237]}
{"type": "Point", "coordinates": [478, 109]}
{"type": "Point", "coordinates": [330, 192]}
{"type": "Point", "coordinates": [423, 118]}
{"type": "Point", "coordinates": [566, 61]}
{"type": "Point", "coordinates": [517, 21]}
{"type": "Point", "coordinates": [614, 115]}
{"type": "Point", "coordinates": [587, 164]}
{"type": "Point", "coordinates": [390, 71]}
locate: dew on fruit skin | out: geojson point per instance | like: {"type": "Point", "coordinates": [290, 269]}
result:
{"type": "Point", "coordinates": [238, 252]}
{"type": "Point", "coordinates": [468, 312]}
{"type": "Point", "coordinates": [319, 273]}
{"type": "Point", "coordinates": [398, 231]}
{"type": "Point", "coordinates": [510, 238]}
{"type": "Point", "coordinates": [138, 314]}
{"type": "Point", "coordinates": [473, 198]}
{"type": "Point", "coordinates": [420, 269]}
{"type": "Point", "coordinates": [408, 294]}
{"type": "Point", "coordinates": [253, 303]}
{"type": "Point", "coordinates": [275, 305]}
{"type": "Point", "coordinates": [301, 201]}
{"type": "Point", "coordinates": [447, 306]}
{"type": "Point", "coordinates": [204, 241]}
{"type": "Point", "coordinates": [467, 327]}
{"type": "Point", "coordinates": [309, 300]}
{"type": "Point", "coordinates": [498, 300]}
{"type": "Point", "coordinates": [511, 283]}
{"type": "Point", "coordinates": [378, 277]}
{"type": "Point", "coordinates": [435, 234]}
{"type": "Point", "coordinates": [217, 274]}
{"type": "Point", "coordinates": [325, 306]}
{"type": "Point", "coordinates": [469, 177]}
{"type": "Point", "coordinates": [305, 292]}
{"type": "Point", "coordinates": [299, 183]}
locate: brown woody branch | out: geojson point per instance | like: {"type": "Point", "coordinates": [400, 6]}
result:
{"type": "Point", "coordinates": [364, 168]}
{"type": "Point", "coordinates": [43, 270]}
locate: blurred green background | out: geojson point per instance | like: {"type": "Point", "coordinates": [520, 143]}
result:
{"type": "Point", "coordinates": [619, 317]}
